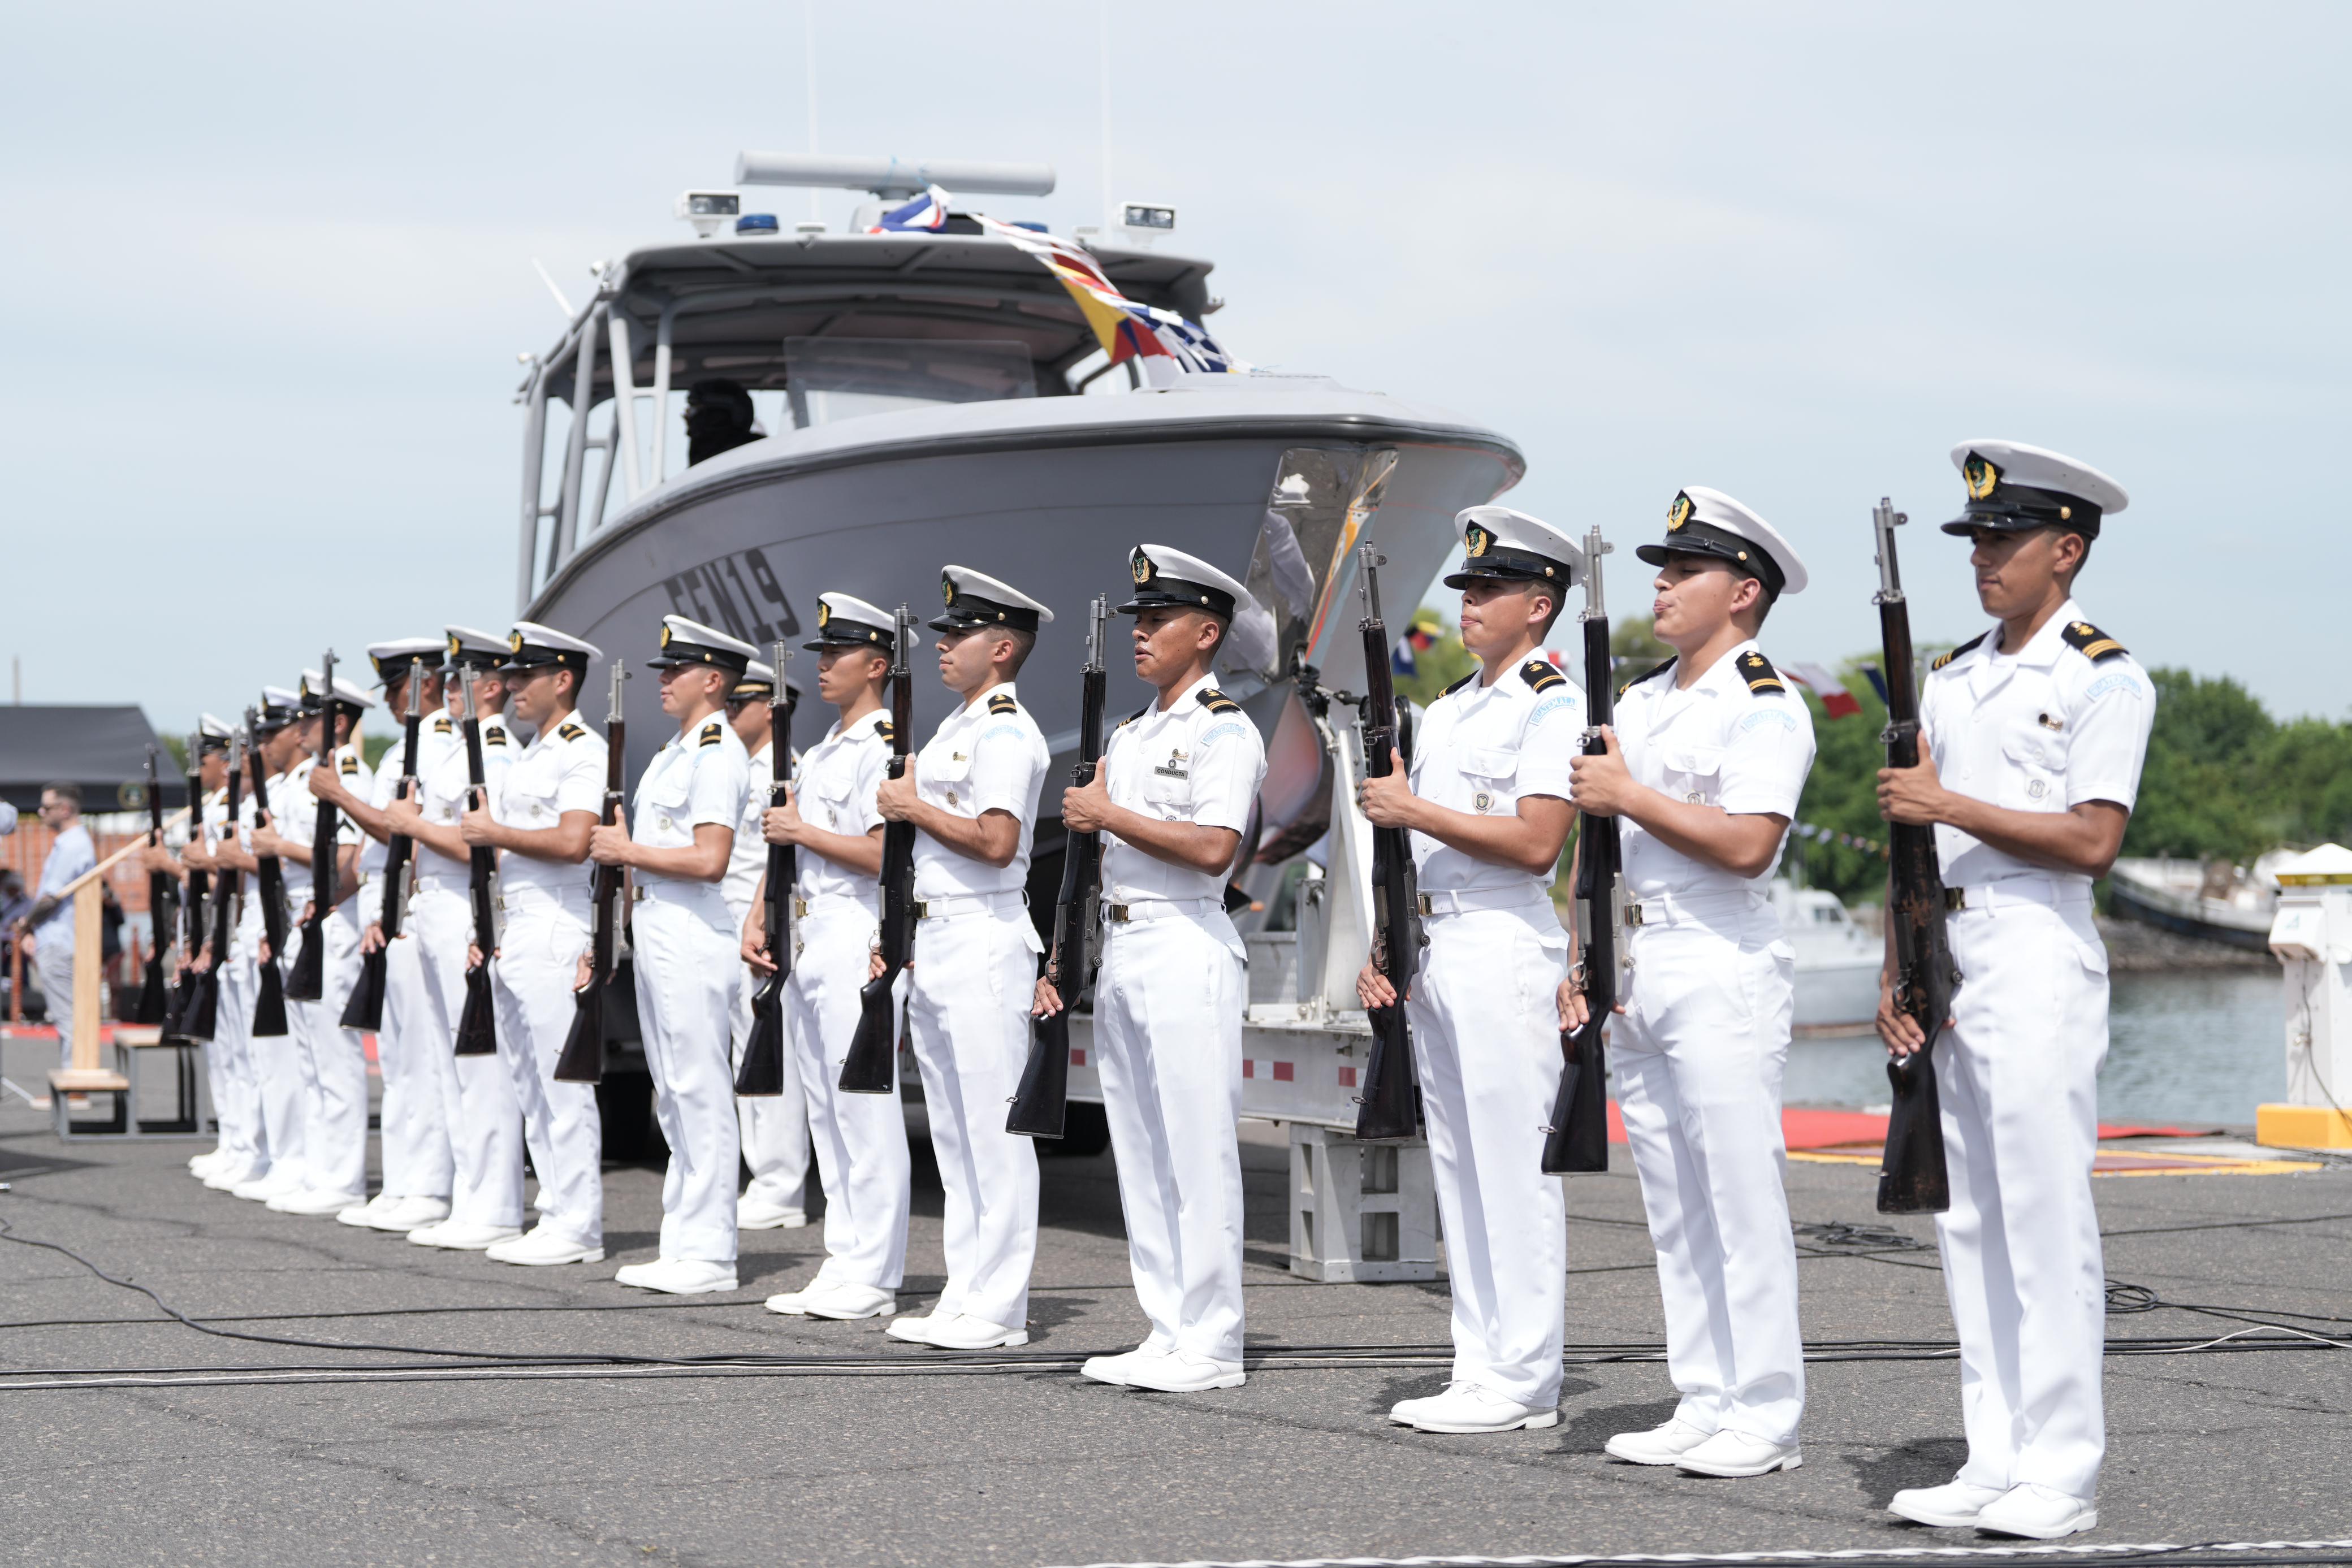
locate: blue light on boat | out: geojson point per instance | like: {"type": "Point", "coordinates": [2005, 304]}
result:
{"type": "Point", "coordinates": [756, 224]}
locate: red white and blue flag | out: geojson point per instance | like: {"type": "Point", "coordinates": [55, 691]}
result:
{"type": "Point", "coordinates": [1835, 699]}
{"type": "Point", "coordinates": [927, 212]}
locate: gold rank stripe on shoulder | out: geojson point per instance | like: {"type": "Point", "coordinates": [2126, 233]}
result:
{"type": "Point", "coordinates": [709, 736]}
{"type": "Point", "coordinates": [1216, 701]}
{"type": "Point", "coordinates": [440, 724]}
{"type": "Point", "coordinates": [1539, 674]}
{"type": "Point", "coordinates": [1459, 684]}
{"type": "Point", "coordinates": [1137, 714]}
{"type": "Point", "coordinates": [2090, 642]}
{"type": "Point", "coordinates": [493, 737]}
{"type": "Point", "coordinates": [1943, 659]}
{"type": "Point", "coordinates": [350, 764]}
{"type": "Point", "coordinates": [571, 732]}
{"type": "Point", "coordinates": [1002, 703]}
{"type": "Point", "coordinates": [883, 728]}
{"type": "Point", "coordinates": [1645, 675]}
{"type": "Point", "coordinates": [1758, 671]}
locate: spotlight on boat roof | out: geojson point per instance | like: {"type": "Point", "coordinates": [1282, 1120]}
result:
{"type": "Point", "coordinates": [1146, 215]}
{"type": "Point", "coordinates": [894, 177]}
{"type": "Point", "coordinates": [709, 211]}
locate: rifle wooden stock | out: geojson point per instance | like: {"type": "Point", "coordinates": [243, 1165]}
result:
{"type": "Point", "coordinates": [1912, 1175]}
{"type": "Point", "coordinates": [192, 905]}
{"type": "Point", "coordinates": [307, 981]}
{"type": "Point", "coordinates": [1389, 1106]}
{"type": "Point", "coordinates": [1041, 1102]}
{"type": "Point", "coordinates": [1576, 1140]}
{"type": "Point", "coordinates": [763, 1073]}
{"type": "Point", "coordinates": [270, 996]}
{"type": "Point", "coordinates": [582, 1059]}
{"type": "Point", "coordinates": [205, 1010]}
{"type": "Point", "coordinates": [872, 1065]}
{"type": "Point", "coordinates": [477, 1031]}
{"type": "Point", "coordinates": [365, 1010]}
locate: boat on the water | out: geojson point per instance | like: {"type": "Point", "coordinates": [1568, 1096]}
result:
{"type": "Point", "coordinates": [1838, 960]}
{"type": "Point", "coordinates": [2217, 902]}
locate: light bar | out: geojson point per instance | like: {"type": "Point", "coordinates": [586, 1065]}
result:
{"type": "Point", "coordinates": [889, 177]}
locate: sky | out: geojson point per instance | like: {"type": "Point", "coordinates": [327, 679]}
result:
{"type": "Point", "coordinates": [265, 270]}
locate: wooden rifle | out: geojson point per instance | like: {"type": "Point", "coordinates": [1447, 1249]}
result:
{"type": "Point", "coordinates": [763, 1073]}
{"type": "Point", "coordinates": [477, 1030]}
{"type": "Point", "coordinates": [1577, 1139]}
{"type": "Point", "coordinates": [583, 1056]}
{"type": "Point", "coordinates": [307, 981]}
{"type": "Point", "coordinates": [1388, 1109]}
{"type": "Point", "coordinates": [365, 1010]}
{"type": "Point", "coordinates": [871, 1066]}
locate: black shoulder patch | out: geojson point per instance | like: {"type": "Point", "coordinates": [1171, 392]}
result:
{"type": "Point", "coordinates": [2090, 642]}
{"type": "Point", "coordinates": [1758, 671]}
{"type": "Point", "coordinates": [1943, 659]}
{"type": "Point", "coordinates": [885, 730]}
{"type": "Point", "coordinates": [1137, 714]}
{"type": "Point", "coordinates": [494, 737]}
{"type": "Point", "coordinates": [1216, 701]}
{"type": "Point", "coordinates": [570, 731]}
{"type": "Point", "coordinates": [1002, 703]}
{"type": "Point", "coordinates": [709, 736]}
{"type": "Point", "coordinates": [1653, 670]}
{"type": "Point", "coordinates": [1539, 674]}
{"type": "Point", "coordinates": [350, 765]}
{"type": "Point", "coordinates": [1459, 684]}
{"type": "Point", "coordinates": [440, 724]}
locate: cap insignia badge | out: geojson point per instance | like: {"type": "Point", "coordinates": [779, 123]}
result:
{"type": "Point", "coordinates": [1679, 513]}
{"type": "Point", "coordinates": [514, 642]}
{"type": "Point", "coordinates": [946, 591]}
{"type": "Point", "coordinates": [1139, 567]}
{"type": "Point", "coordinates": [1477, 541]}
{"type": "Point", "coordinates": [824, 614]}
{"type": "Point", "coordinates": [454, 647]}
{"type": "Point", "coordinates": [1979, 476]}
{"type": "Point", "coordinates": [665, 637]}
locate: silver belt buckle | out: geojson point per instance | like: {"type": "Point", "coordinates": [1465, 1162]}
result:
{"type": "Point", "coordinates": [1422, 899]}
{"type": "Point", "coordinates": [922, 909]}
{"type": "Point", "coordinates": [1955, 898]}
{"type": "Point", "coordinates": [636, 894]}
{"type": "Point", "coordinates": [1633, 915]}
{"type": "Point", "coordinates": [1116, 912]}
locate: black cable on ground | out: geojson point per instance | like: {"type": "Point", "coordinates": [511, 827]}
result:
{"type": "Point", "coordinates": [2212, 1554]}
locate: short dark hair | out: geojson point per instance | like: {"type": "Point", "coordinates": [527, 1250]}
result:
{"type": "Point", "coordinates": [1023, 644]}
{"type": "Point", "coordinates": [65, 792]}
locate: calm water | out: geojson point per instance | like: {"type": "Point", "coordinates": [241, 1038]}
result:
{"type": "Point", "coordinates": [2196, 1047]}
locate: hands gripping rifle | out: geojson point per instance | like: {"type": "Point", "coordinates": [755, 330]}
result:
{"type": "Point", "coordinates": [204, 1010]}
{"type": "Point", "coordinates": [1912, 1178]}
{"type": "Point", "coordinates": [477, 1030]}
{"type": "Point", "coordinates": [871, 1066]}
{"type": "Point", "coordinates": [763, 1073]}
{"type": "Point", "coordinates": [1043, 1100]}
{"type": "Point", "coordinates": [192, 902]}
{"type": "Point", "coordinates": [1578, 1137]}
{"type": "Point", "coordinates": [153, 997]}
{"type": "Point", "coordinates": [365, 1010]}
{"type": "Point", "coordinates": [1389, 1106]}
{"type": "Point", "coordinates": [307, 982]}
{"type": "Point", "coordinates": [582, 1058]}
{"type": "Point", "coordinates": [269, 1000]}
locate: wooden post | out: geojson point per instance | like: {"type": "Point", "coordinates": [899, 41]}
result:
{"type": "Point", "coordinates": [89, 963]}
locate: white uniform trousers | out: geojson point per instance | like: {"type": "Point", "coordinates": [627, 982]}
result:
{"type": "Point", "coordinates": [478, 1094]}
{"type": "Point", "coordinates": [686, 963]}
{"type": "Point", "coordinates": [412, 1061]}
{"type": "Point", "coordinates": [2018, 1075]}
{"type": "Point", "coordinates": [278, 1070]}
{"type": "Point", "coordinates": [334, 1065]}
{"type": "Point", "coordinates": [968, 1004]}
{"type": "Point", "coordinates": [860, 1139]}
{"type": "Point", "coordinates": [1168, 1029]}
{"type": "Point", "coordinates": [1698, 1059]}
{"type": "Point", "coordinates": [773, 1129]}
{"type": "Point", "coordinates": [1485, 1037]}
{"type": "Point", "coordinates": [530, 983]}
{"type": "Point", "coordinates": [238, 1104]}
{"type": "Point", "coordinates": [54, 961]}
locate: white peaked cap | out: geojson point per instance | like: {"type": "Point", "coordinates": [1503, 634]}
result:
{"type": "Point", "coordinates": [1168, 576]}
{"type": "Point", "coordinates": [1702, 521]}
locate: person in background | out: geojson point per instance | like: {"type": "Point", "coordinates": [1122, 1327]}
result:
{"type": "Point", "coordinates": [50, 923]}
{"type": "Point", "coordinates": [719, 418]}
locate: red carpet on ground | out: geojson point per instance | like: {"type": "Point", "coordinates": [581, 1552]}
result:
{"type": "Point", "coordinates": [1806, 1129]}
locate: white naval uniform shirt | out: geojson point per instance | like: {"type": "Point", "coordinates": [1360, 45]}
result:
{"type": "Point", "coordinates": [1479, 749]}
{"type": "Point", "coordinates": [430, 743]}
{"type": "Point", "coordinates": [839, 778]}
{"type": "Point", "coordinates": [1193, 763]}
{"type": "Point", "coordinates": [748, 861]}
{"type": "Point", "coordinates": [699, 776]}
{"type": "Point", "coordinates": [297, 813]}
{"type": "Point", "coordinates": [988, 756]}
{"type": "Point", "coordinates": [1719, 743]}
{"type": "Point", "coordinates": [562, 769]}
{"type": "Point", "coordinates": [444, 782]}
{"type": "Point", "coordinates": [2041, 731]}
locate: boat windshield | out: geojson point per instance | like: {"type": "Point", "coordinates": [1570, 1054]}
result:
{"type": "Point", "coordinates": [832, 378]}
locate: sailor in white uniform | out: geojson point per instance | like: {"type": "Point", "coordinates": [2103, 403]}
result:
{"type": "Point", "coordinates": [277, 1058]}
{"type": "Point", "coordinates": [416, 1131]}
{"type": "Point", "coordinates": [554, 796]}
{"type": "Point", "coordinates": [479, 1106]}
{"type": "Point", "coordinates": [774, 1127]}
{"type": "Point", "coordinates": [860, 1139]}
{"type": "Point", "coordinates": [1173, 795]}
{"type": "Point", "coordinates": [1487, 805]}
{"type": "Point", "coordinates": [685, 941]}
{"type": "Point", "coordinates": [333, 1059]}
{"type": "Point", "coordinates": [227, 1074]}
{"type": "Point", "coordinates": [2034, 734]}
{"type": "Point", "coordinates": [972, 793]}
{"type": "Point", "coordinates": [1703, 769]}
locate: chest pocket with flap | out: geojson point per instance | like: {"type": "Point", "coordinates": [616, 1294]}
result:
{"type": "Point", "coordinates": [1490, 774]}
{"type": "Point", "coordinates": [2034, 766]}
{"type": "Point", "coordinates": [1694, 774]}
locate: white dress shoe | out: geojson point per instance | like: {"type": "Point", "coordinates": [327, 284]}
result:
{"type": "Point", "coordinates": [1730, 1453]}
{"type": "Point", "coordinates": [1472, 1407]}
{"type": "Point", "coordinates": [1112, 1369]}
{"type": "Point", "coordinates": [2038, 1513]}
{"type": "Point", "coordinates": [759, 1214]}
{"type": "Point", "coordinates": [1401, 1412]}
{"type": "Point", "coordinates": [1182, 1372]}
{"type": "Point", "coordinates": [539, 1247]}
{"type": "Point", "coordinates": [916, 1327]}
{"type": "Point", "coordinates": [459, 1236]}
{"type": "Point", "coordinates": [407, 1213]}
{"type": "Point", "coordinates": [679, 1276]}
{"type": "Point", "coordinates": [1659, 1444]}
{"type": "Point", "coordinates": [848, 1303]}
{"type": "Point", "coordinates": [233, 1174]}
{"type": "Point", "coordinates": [268, 1184]}
{"type": "Point", "coordinates": [312, 1203]}
{"type": "Point", "coordinates": [204, 1165]}
{"type": "Point", "coordinates": [1951, 1506]}
{"type": "Point", "coordinates": [964, 1331]}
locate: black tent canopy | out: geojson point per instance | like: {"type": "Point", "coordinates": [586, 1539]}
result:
{"type": "Point", "coordinates": [102, 749]}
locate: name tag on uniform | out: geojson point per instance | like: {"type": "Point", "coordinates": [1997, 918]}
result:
{"type": "Point", "coordinates": [1173, 768]}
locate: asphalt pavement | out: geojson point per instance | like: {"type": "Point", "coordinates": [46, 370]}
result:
{"type": "Point", "coordinates": [841, 1447]}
